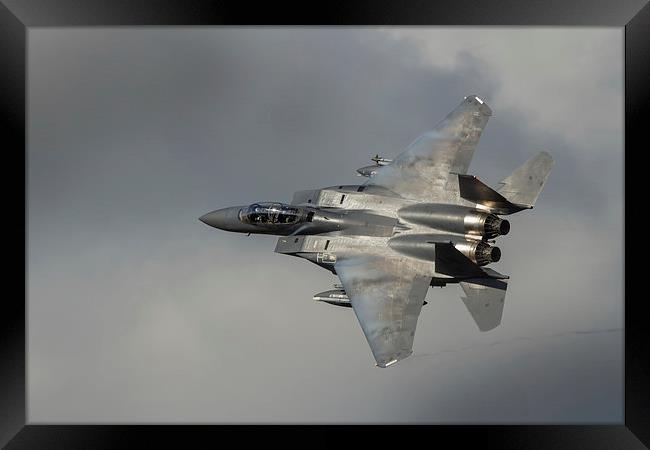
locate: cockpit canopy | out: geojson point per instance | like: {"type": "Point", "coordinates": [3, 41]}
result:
{"type": "Point", "coordinates": [270, 214]}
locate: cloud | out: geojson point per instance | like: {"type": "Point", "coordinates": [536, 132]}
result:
{"type": "Point", "coordinates": [564, 80]}
{"type": "Point", "coordinates": [139, 312]}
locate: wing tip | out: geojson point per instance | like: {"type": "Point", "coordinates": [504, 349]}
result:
{"type": "Point", "coordinates": [480, 103]}
{"type": "Point", "coordinates": [391, 360]}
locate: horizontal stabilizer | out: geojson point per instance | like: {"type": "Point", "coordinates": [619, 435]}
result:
{"type": "Point", "coordinates": [474, 190]}
{"type": "Point", "coordinates": [494, 274]}
{"type": "Point", "coordinates": [524, 185]}
{"type": "Point", "coordinates": [484, 301]}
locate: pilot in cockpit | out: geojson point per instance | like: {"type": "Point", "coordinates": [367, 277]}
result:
{"type": "Point", "coordinates": [269, 214]}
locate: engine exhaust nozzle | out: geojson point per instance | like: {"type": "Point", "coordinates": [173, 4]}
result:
{"type": "Point", "coordinates": [494, 226]}
{"type": "Point", "coordinates": [485, 254]}
{"type": "Point", "coordinates": [479, 252]}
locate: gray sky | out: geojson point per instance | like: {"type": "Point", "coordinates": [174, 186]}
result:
{"type": "Point", "coordinates": [138, 312]}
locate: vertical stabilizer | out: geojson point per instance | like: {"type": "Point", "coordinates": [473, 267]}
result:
{"type": "Point", "coordinates": [524, 185]}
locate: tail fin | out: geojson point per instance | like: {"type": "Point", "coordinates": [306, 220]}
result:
{"type": "Point", "coordinates": [524, 184]}
{"type": "Point", "coordinates": [484, 300]}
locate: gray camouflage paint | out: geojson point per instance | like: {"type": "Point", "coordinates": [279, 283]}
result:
{"type": "Point", "coordinates": [387, 240]}
{"type": "Point", "coordinates": [137, 312]}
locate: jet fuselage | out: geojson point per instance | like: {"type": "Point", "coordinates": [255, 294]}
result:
{"type": "Point", "coordinates": [420, 220]}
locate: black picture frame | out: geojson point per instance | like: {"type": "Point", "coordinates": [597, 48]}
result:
{"type": "Point", "coordinates": [16, 16]}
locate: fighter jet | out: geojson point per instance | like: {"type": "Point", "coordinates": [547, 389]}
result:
{"type": "Point", "coordinates": [419, 220]}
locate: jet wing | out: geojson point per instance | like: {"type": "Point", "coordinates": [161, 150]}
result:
{"type": "Point", "coordinates": [422, 171]}
{"type": "Point", "coordinates": [387, 295]}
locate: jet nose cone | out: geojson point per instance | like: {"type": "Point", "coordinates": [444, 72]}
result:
{"type": "Point", "coordinates": [218, 219]}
